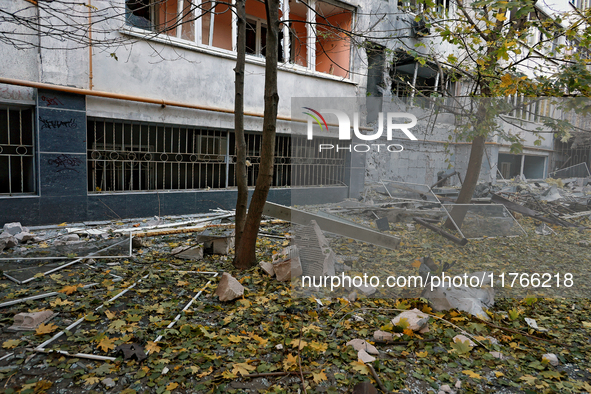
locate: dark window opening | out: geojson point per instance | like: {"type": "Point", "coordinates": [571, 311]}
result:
{"type": "Point", "coordinates": [17, 151]}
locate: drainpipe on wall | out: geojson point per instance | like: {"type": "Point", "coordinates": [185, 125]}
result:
{"type": "Point", "coordinates": [90, 76]}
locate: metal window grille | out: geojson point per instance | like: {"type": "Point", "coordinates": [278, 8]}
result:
{"type": "Point", "coordinates": [130, 156]}
{"type": "Point", "coordinates": [313, 168]}
{"type": "Point", "coordinates": [125, 156]}
{"type": "Point", "coordinates": [17, 151]}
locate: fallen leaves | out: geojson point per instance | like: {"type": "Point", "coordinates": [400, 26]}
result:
{"type": "Point", "coordinates": [11, 343]}
{"type": "Point", "coordinates": [152, 347]}
{"type": "Point", "coordinates": [360, 367]}
{"type": "Point", "coordinates": [319, 377]}
{"type": "Point", "coordinates": [242, 368]}
{"type": "Point", "coordinates": [471, 374]}
{"type": "Point", "coordinates": [45, 329]}
{"type": "Point", "coordinates": [106, 344]}
{"type": "Point", "coordinates": [290, 362]}
{"type": "Point", "coordinates": [59, 302]}
{"type": "Point", "coordinates": [69, 289]}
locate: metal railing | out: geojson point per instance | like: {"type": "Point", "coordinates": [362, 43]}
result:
{"type": "Point", "coordinates": [132, 156]}
{"type": "Point", "coordinates": [17, 151]}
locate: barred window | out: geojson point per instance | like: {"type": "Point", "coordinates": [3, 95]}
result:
{"type": "Point", "coordinates": [17, 151]}
{"type": "Point", "coordinates": [132, 156]}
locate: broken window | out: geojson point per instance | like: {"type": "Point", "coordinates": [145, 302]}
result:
{"type": "Point", "coordinates": [298, 29]}
{"type": "Point", "coordinates": [412, 79]}
{"type": "Point", "coordinates": [333, 47]}
{"type": "Point", "coordinates": [418, 6]}
{"type": "Point", "coordinates": [172, 17]}
{"type": "Point", "coordinates": [17, 151]}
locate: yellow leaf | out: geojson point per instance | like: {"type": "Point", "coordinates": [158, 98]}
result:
{"type": "Point", "coordinates": [62, 224]}
{"type": "Point", "coordinates": [228, 375]}
{"type": "Point", "coordinates": [262, 342]}
{"type": "Point", "coordinates": [289, 362]}
{"type": "Point", "coordinates": [171, 386]}
{"type": "Point", "coordinates": [242, 368]}
{"type": "Point", "coordinates": [501, 17]}
{"type": "Point", "coordinates": [318, 347]}
{"type": "Point", "coordinates": [471, 374]}
{"type": "Point", "coordinates": [152, 347]}
{"type": "Point", "coordinates": [235, 338]}
{"type": "Point", "coordinates": [59, 302]}
{"type": "Point", "coordinates": [11, 343]}
{"type": "Point", "coordinates": [319, 377]}
{"type": "Point", "coordinates": [586, 324]}
{"type": "Point", "coordinates": [45, 329]}
{"type": "Point", "coordinates": [408, 332]}
{"type": "Point", "coordinates": [311, 327]}
{"type": "Point", "coordinates": [506, 81]}
{"type": "Point", "coordinates": [360, 367]}
{"type": "Point", "coordinates": [42, 386]}
{"type": "Point", "coordinates": [106, 344]}
{"type": "Point", "coordinates": [528, 379]}
{"type": "Point", "coordinates": [69, 289]}
{"type": "Point", "coordinates": [422, 354]}
{"type": "Point", "coordinates": [301, 343]}
{"type": "Point", "coordinates": [417, 263]}
{"type": "Point", "coordinates": [499, 374]}
{"type": "Point", "coordinates": [182, 283]}
{"type": "Point", "coordinates": [210, 370]}
{"type": "Point", "coordinates": [110, 314]}
{"type": "Point", "coordinates": [194, 369]}
{"type": "Point", "coordinates": [91, 380]}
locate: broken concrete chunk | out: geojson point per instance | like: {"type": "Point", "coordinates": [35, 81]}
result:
{"type": "Point", "coordinates": [445, 388]}
{"type": "Point", "coordinates": [463, 338]}
{"type": "Point", "coordinates": [267, 267]}
{"type": "Point", "coordinates": [550, 358]}
{"type": "Point", "coordinates": [498, 355]}
{"type": "Point", "coordinates": [7, 241]}
{"type": "Point", "coordinates": [316, 256]}
{"type": "Point", "coordinates": [360, 344]}
{"type": "Point", "coordinates": [13, 228]}
{"type": "Point", "coordinates": [365, 357]}
{"type": "Point", "coordinates": [463, 298]}
{"type": "Point", "coordinates": [30, 321]}
{"type": "Point", "coordinates": [385, 336]}
{"type": "Point", "coordinates": [220, 244]}
{"type": "Point", "coordinates": [229, 288]}
{"type": "Point", "coordinates": [287, 264]}
{"type": "Point", "coordinates": [193, 253]}
{"type": "Point", "coordinates": [108, 383]}
{"type": "Point", "coordinates": [70, 238]}
{"type": "Point", "coordinates": [414, 318]}
{"type": "Point", "coordinates": [23, 237]}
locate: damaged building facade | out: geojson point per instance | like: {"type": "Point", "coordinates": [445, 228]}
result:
{"type": "Point", "coordinates": [138, 121]}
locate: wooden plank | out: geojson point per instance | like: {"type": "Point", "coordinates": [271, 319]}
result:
{"type": "Point", "coordinates": [340, 227]}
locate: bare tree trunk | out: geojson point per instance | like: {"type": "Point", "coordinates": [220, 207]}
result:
{"type": "Point", "coordinates": [246, 249]}
{"type": "Point", "coordinates": [471, 180]}
{"type": "Point", "coordinates": [240, 166]}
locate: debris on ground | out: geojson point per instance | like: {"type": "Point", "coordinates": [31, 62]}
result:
{"type": "Point", "coordinates": [229, 288]}
{"type": "Point", "coordinates": [164, 328]}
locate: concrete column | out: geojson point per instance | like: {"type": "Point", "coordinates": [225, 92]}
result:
{"type": "Point", "coordinates": [286, 38]}
{"type": "Point", "coordinates": [311, 41]}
